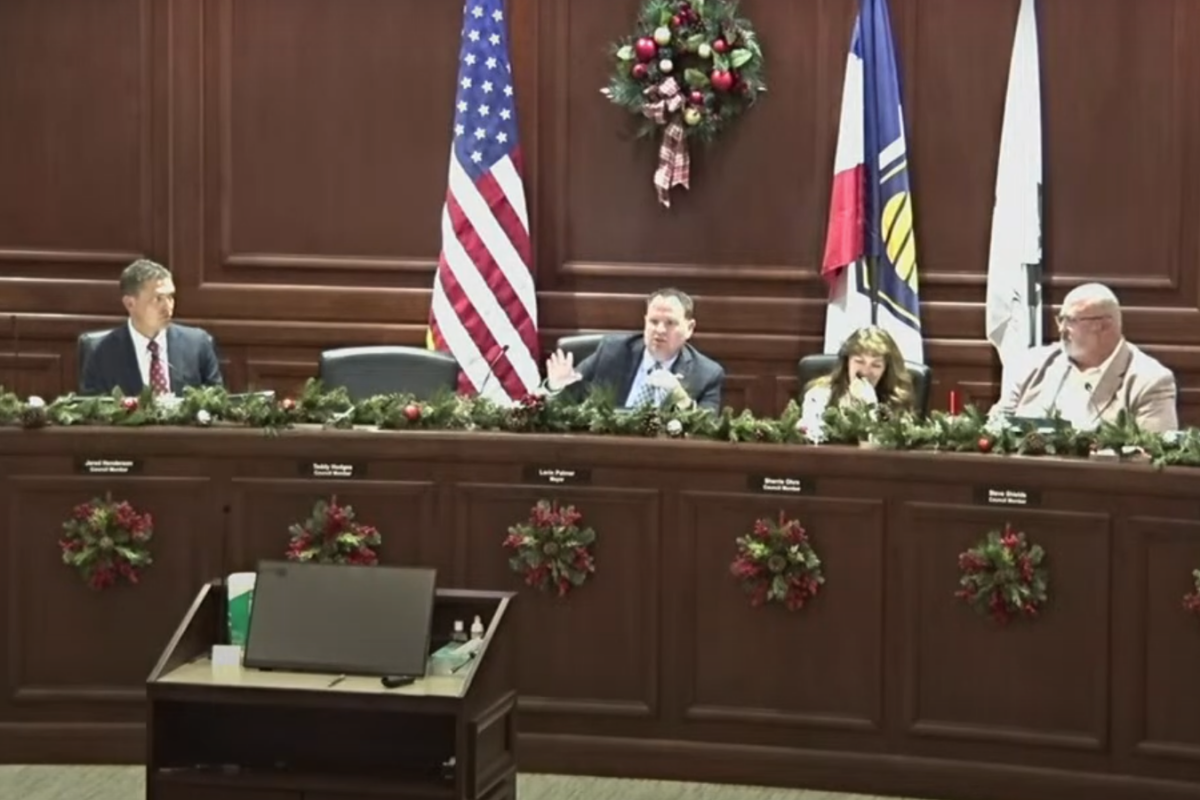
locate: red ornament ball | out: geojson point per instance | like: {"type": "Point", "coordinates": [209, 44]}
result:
{"type": "Point", "coordinates": [720, 46]}
{"type": "Point", "coordinates": [722, 80]}
{"type": "Point", "coordinates": [639, 72]}
{"type": "Point", "coordinates": [985, 444]}
{"type": "Point", "coordinates": [287, 404]}
{"type": "Point", "coordinates": [645, 49]}
{"type": "Point", "coordinates": [129, 403]}
{"type": "Point", "coordinates": [677, 20]}
{"type": "Point", "coordinates": [697, 98]}
{"type": "Point", "coordinates": [412, 412]}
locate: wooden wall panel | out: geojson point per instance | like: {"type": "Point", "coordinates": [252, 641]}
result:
{"type": "Point", "coordinates": [287, 158]}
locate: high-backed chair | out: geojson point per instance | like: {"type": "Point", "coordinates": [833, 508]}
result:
{"type": "Point", "coordinates": [83, 351]}
{"type": "Point", "coordinates": [581, 345]}
{"type": "Point", "coordinates": [368, 371]}
{"type": "Point", "coordinates": [811, 367]}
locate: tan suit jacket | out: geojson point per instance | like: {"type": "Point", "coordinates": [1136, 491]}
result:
{"type": "Point", "coordinates": [1134, 382]}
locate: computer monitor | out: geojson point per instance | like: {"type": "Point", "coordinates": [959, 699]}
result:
{"type": "Point", "coordinates": [338, 618]}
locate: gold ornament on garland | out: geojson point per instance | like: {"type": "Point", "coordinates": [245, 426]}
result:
{"type": "Point", "coordinates": [107, 542]}
{"type": "Point", "coordinates": [332, 536]}
{"type": "Point", "coordinates": [1003, 577]}
{"type": "Point", "coordinates": [689, 69]}
{"type": "Point", "coordinates": [551, 551]}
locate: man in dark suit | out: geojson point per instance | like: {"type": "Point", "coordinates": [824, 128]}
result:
{"type": "Point", "coordinates": [657, 367]}
{"type": "Point", "coordinates": [149, 350]}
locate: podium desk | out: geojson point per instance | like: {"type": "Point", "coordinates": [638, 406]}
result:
{"type": "Point", "coordinates": [235, 733]}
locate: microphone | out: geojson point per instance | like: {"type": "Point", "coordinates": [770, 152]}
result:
{"type": "Point", "coordinates": [490, 364]}
{"type": "Point", "coordinates": [1087, 386]}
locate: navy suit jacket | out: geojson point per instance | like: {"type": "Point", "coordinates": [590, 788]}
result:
{"type": "Point", "coordinates": [615, 362]}
{"type": "Point", "coordinates": [191, 356]}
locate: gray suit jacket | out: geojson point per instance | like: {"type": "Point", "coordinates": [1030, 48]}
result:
{"type": "Point", "coordinates": [614, 365]}
{"type": "Point", "coordinates": [1134, 382]}
{"type": "Point", "coordinates": [191, 361]}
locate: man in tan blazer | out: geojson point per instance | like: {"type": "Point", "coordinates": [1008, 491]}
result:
{"type": "Point", "coordinates": [1092, 374]}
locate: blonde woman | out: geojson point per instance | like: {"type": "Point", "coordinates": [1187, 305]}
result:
{"type": "Point", "coordinates": [870, 371]}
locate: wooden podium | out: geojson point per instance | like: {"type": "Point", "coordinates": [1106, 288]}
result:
{"type": "Point", "coordinates": [243, 734]}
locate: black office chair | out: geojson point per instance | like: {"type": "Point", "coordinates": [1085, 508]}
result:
{"type": "Point", "coordinates": [368, 371]}
{"type": "Point", "coordinates": [581, 345]}
{"type": "Point", "coordinates": [810, 368]}
{"type": "Point", "coordinates": [83, 351]}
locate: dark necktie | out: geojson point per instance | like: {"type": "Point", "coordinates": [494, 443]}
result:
{"type": "Point", "coordinates": [158, 373]}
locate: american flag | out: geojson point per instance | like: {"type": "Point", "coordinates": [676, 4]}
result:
{"type": "Point", "coordinates": [484, 307]}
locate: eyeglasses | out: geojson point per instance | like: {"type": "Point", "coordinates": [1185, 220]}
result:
{"type": "Point", "coordinates": [1069, 322]}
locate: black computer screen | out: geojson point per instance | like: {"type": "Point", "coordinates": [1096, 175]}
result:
{"type": "Point", "coordinates": [357, 620]}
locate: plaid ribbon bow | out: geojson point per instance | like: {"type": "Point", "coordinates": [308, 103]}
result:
{"type": "Point", "coordinates": [674, 163]}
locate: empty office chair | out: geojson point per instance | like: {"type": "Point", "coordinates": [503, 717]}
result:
{"type": "Point", "coordinates": [368, 371]}
{"type": "Point", "coordinates": [581, 345]}
{"type": "Point", "coordinates": [83, 351]}
{"type": "Point", "coordinates": [811, 367]}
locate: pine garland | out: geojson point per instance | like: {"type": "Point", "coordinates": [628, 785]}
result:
{"type": "Point", "coordinates": [599, 414]}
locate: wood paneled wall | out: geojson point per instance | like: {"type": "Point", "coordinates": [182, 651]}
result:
{"type": "Point", "coordinates": [287, 159]}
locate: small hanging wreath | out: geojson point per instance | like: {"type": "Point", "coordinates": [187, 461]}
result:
{"type": "Point", "coordinates": [690, 68]}
{"type": "Point", "coordinates": [1002, 576]}
{"type": "Point", "coordinates": [1191, 600]}
{"type": "Point", "coordinates": [550, 550]}
{"type": "Point", "coordinates": [106, 542]}
{"type": "Point", "coordinates": [777, 563]}
{"type": "Point", "coordinates": [332, 536]}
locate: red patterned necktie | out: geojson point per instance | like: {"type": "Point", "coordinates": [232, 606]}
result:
{"type": "Point", "coordinates": [158, 375]}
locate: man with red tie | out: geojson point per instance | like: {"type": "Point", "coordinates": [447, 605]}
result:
{"type": "Point", "coordinates": [150, 350]}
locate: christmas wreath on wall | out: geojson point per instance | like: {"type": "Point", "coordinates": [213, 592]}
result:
{"type": "Point", "coordinates": [551, 550]}
{"type": "Point", "coordinates": [332, 536]}
{"type": "Point", "coordinates": [777, 563]}
{"type": "Point", "coordinates": [1191, 600]}
{"type": "Point", "coordinates": [106, 542]}
{"type": "Point", "coordinates": [1003, 577]}
{"type": "Point", "coordinates": [690, 68]}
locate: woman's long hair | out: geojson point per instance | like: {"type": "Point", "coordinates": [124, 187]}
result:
{"type": "Point", "coordinates": [895, 388]}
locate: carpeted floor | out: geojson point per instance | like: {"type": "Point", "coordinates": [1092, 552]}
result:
{"type": "Point", "coordinates": [125, 783]}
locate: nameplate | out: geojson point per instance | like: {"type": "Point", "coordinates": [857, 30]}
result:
{"type": "Point", "coordinates": [558, 476]}
{"type": "Point", "coordinates": [331, 469]}
{"type": "Point", "coordinates": [779, 484]}
{"type": "Point", "coordinates": [108, 466]}
{"type": "Point", "coordinates": [992, 496]}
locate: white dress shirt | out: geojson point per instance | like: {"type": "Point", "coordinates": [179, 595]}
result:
{"type": "Point", "coordinates": [142, 350]}
{"type": "Point", "coordinates": [639, 379]}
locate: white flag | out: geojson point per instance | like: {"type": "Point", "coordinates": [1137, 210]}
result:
{"type": "Point", "coordinates": [1014, 295]}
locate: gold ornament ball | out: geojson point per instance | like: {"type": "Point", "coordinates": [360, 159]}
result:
{"type": "Point", "coordinates": [691, 116]}
{"type": "Point", "coordinates": [704, 51]}
{"type": "Point", "coordinates": [665, 66]}
{"type": "Point", "coordinates": [662, 36]}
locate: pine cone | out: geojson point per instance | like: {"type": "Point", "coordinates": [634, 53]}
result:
{"type": "Point", "coordinates": [517, 420]}
{"type": "Point", "coordinates": [1034, 444]}
{"type": "Point", "coordinates": [652, 425]}
{"type": "Point", "coordinates": [884, 413]}
{"type": "Point", "coordinates": [34, 417]}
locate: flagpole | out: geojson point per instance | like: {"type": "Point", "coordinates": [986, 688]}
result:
{"type": "Point", "coordinates": [873, 287]}
{"type": "Point", "coordinates": [1034, 274]}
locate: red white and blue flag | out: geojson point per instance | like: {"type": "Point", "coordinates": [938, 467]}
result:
{"type": "Point", "coordinates": [870, 248]}
{"type": "Point", "coordinates": [484, 308]}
